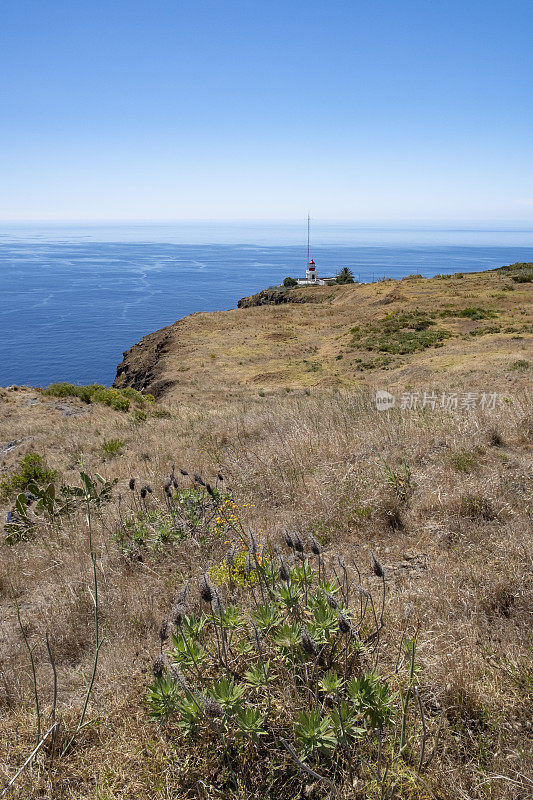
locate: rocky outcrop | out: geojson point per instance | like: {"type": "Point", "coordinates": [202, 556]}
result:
{"type": "Point", "coordinates": [142, 366]}
{"type": "Point", "coordinates": [272, 297]}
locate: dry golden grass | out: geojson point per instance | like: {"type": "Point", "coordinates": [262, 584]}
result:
{"type": "Point", "coordinates": [226, 355]}
{"type": "Point", "coordinates": [310, 462]}
{"type": "Point", "coordinates": [456, 549]}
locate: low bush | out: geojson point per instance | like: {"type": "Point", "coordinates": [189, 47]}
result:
{"type": "Point", "coordinates": [136, 396]}
{"type": "Point", "coordinates": [405, 342]}
{"type": "Point", "coordinates": [477, 507]}
{"type": "Point", "coordinates": [399, 333]}
{"type": "Point", "coordinates": [149, 530]}
{"type": "Point", "coordinates": [178, 511]}
{"type": "Point", "coordinates": [463, 461]}
{"type": "Point", "coordinates": [523, 277]}
{"type": "Point", "coordinates": [520, 272]}
{"type": "Point", "coordinates": [471, 312]}
{"type": "Point", "coordinates": [486, 330]}
{"type": "Point", "coordinates": [520, 364]}
{"type": "Point", "coordinates": [292, 679]}
{"type": "Point", "coordinates": [31, 470]}
{"type": "Point", "coordinates": [119, 399]}
{"type": "Point", "coordinates": [112, 447]}
{"type": "Point", "coordinates": [161, 413]}
{"type": "Point", "coordinates": [400, 480]}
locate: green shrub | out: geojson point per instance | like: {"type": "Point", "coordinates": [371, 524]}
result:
{"type": "Point", "coordinates": [201, 512]}
{"type": "Point", "coordinates": [399, 480]}
{"type": "Point", "coordinates": [523, 277]}
{"type": "Point", "coordinates": [373, 363]}
{"type": "Point", "coordinates": [476, 506]}
{"type": "Point", "coordinates": [521, 364]}
{"type": "Point", "coordinates": [520, 272]}
{"type": "Point", "coordinates": [476, 313]}
{"type": "Point", "coordinates": [31, 470]}
{"type": "Point", "coordinates": [112, 447]}
{"type": "Point", "coordinates": [295, 673]}
{"type": "Point", "coordinates": [486, 330]}
{"type": "Point", "coordinates": [312, 366]}
{"type": "Point", "coordinates": [463, 461]}
{"type": "Point", "coordinates": [399, 333]}
{"type": "Point", "coordinates": [149, 530]}
{"type": "Point", "coordinates": [289, 282]}
{"type": "Point", "coordinates": [112, 398]}
{"type": "Point", "coordinates": [137, 397]}
{"type": "Point", "coordinates": [119, 399]}
{"type": "Point", "coordinates": [471, 312]}
{"type": "Point", "coordinates": [63, 390]}
{"type": "Point", "coordinates": [405, 342]}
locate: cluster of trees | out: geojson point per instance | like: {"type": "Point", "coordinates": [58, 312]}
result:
{"type": "Point", "coordinates": [344, 276]}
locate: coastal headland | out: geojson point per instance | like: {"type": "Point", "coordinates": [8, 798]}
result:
{"type": "Point", "coordinates": [377, 334]}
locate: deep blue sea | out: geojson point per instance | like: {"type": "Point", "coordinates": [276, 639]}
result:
{"type": "Point", "coordinates": [73, 297]}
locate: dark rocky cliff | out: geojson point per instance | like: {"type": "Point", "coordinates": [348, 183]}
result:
{"type": "Point", "coordinates": [142, 364]}
{"type": "Point", "coordinates": [272, 297]}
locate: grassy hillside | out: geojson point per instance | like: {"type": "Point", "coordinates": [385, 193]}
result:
{"type": "Point", "coordinates": [418, 519]}
{"type": "Point", "coordinates": [389, 332]}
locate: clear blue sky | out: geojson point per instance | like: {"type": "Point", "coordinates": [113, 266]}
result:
{"type": "Point", "coordinates": [377, 110]}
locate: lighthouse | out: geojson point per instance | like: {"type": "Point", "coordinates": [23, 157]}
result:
{"type": "Point", "coordinates": [311, 278]}
{"type": "Point", "coordinates": [310, 273]}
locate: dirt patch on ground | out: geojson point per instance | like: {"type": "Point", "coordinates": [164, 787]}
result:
{"type": "Point", "coordinates": [280, 336]}
{"type": "Point", "coordinates": [392, 297]}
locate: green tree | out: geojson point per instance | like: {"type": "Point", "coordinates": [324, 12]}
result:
{"type": "Point", "coordinates": [345, 276]}
{"type": "Point", "coordinates": [290, 282]}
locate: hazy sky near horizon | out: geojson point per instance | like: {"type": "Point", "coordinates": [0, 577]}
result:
{"type": "Point", "coordinates": [135, 109]}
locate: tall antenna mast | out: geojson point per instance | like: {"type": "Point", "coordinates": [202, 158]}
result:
{"type": "Point", "coordinates": [308, 224]}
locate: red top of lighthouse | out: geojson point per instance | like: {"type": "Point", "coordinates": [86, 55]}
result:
{"type": "Point", "coordinates": [311, 264]}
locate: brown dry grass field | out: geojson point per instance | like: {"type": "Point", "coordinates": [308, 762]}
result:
{"type": "Point", "coordinates": [313, 343]}
{"type": "Point", "coordinates": [441, 496]}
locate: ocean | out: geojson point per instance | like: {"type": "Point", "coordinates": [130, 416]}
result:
{"type": "Point", "coordinates": [74, 297]}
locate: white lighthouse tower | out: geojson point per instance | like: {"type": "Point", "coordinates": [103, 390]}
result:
{"type": "Point", "coordinates": [310, 273]}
